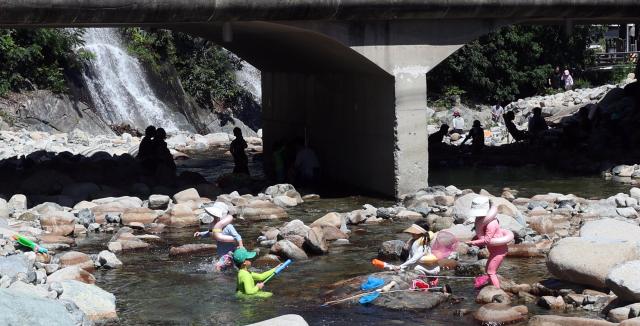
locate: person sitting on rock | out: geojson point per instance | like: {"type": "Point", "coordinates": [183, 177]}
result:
{"type": "Point", "coordinates": [240, 160]}
{"type": "Point", "coordinates": [246, 283]}
{"type": "Point", "coordinates": [477, 134]}
{"type": "Point", "coordinates": [146, 153]}
{"type": "Point", "coordinates": [162, 154]}
{"type": "Point", "coordinates": [517, 134]}
{"type": "Point", "coordinates": [225, 234]}
{"type": "Point", "coordinates": [537, 124]}
{"type": "Point", "coordinates": [458, 123]}
{"type": "Point", "coordinates": [435, 139]}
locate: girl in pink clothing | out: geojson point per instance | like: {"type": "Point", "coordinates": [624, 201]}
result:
{"type": "Point", "coordinates": [489, 233]}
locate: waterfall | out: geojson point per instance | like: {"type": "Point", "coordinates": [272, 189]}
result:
{"type": "Point", "coordinates": [119, 88]}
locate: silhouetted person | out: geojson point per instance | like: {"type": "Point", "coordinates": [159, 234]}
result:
{"type": "Point", "coordinates": [146, 152]}
{"type": "Point", "coordinates": [435, 139]}
{"type": "Point", "coordinates": [555, 81]}
{"type": "Point", "coordinates": [165, 165]}
{"type": "Point", "coordinates": [517, 134]}
{"type": "Point", "coordinates": [477, 134]}
{"type": "Point", "coordinates": [537, 124]}
{"type": "Point", "coordinates": [240, 159]}
{"type": "Point", "coordinates": [306, 165]}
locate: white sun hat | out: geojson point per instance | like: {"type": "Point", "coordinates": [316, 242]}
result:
{"type": "Point", "coordinates": [218, 209]}
{"type": "Point", "coordinates": [479, 206]}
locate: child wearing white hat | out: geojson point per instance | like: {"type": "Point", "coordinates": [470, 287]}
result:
{"type": "Point", "coordinates": [225, 234]}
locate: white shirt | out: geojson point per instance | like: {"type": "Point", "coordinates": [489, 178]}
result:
{"type": "Point", "coordinates": [458, 123]}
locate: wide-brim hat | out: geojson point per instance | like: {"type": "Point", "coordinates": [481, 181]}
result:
{"type": "Point", "coordinates": [415, 229]}
{"type": "Point", "coordinates": [218, 210]}
{"type": "Point", "coordinates": [480, 206]}
{"type": "Point", "coordinates": [241, 254]}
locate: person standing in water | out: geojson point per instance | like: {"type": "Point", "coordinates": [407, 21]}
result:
{"type": "Point", "coordinates": [487, 231]}
{"type": "Point", "coordinates": [238, 145]}
{"type": "Point", "coordinates": [225, 234]}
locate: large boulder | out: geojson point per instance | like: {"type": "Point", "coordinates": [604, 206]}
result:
{"type": "Point", "coordinates": [12, 265]}
{"type": "Point", "coordinates": [332, 218]}
{"type": "Point", "coordinates": [511, 224]}
{"type": "Point", "coordinates": [72, 273]}
{"type": "Point", "coordinates": [391, 249]}
{"type": "Point", "coordinates": [284, 190]}
{"type": "Point", "coordinates": [624, 280]}
{"type": "Point", "coordinates": [462, 232]}
{"type": "Point", "coordinates": [186, 196]}
{"type": "Point", "coordinates": [588, 261]}
{"type": "Point", "coordinates": [159, 201]}
{"type": "Point", "coordinates": [98, 304]}
{"type": "Point", "coordinates": [315, 241]}
{"type": "Point", "coordinates": [180, 215]}
{"type": "Point", "coordinates": [287, 249]}
{"type": "Point", "coordinates": [499, 313]}
{"type": "Point", "coordinates": [107, 259]}
{"type": "Point", "coordinates": [295, 227]}
{"type": "Point", "coordinates": [138, 215]}
{"type": "Point", "coordinates": [58, 223]}
{"type": "Point", "coordinates": [610, 229]}
{"type": "Point", "coordinates": [17, 308]}
{"type": "Point", "coordinates": [258, 210]}
{"type": "Point", "coordinates": [76, 258]}
{"type": "Point", "coordinates": [551, 320]}
{"type": "Point", "coordinates": [462, 206]}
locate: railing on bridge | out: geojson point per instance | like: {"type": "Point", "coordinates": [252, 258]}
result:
{"type": "Point", "coordinates": [616, 58]}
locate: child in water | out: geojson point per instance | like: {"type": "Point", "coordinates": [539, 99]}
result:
{"type": "Point", "coordinates": [225, 234]}
{"type": "Point", "coordinates": [419, 252]}
{"type": "Point", "coordinates": [246, 284]}
{"type": "Point", "coordinates": [488, 232]}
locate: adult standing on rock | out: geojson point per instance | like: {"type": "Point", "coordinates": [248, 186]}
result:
{"type": "Point", "coordinates": [537, 124]}
{"type": "Point", "coordinates": [225, 234]}
{"type": "Point", "coordinates": [146, 153]}
{"type": "Point", "coordinates": [568, 80]}
{"type": "Point", "coordinates": [240, 160]}
{"type": "Point", "coordinates": [489, 233]}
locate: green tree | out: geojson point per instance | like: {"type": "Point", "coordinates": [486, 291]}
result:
{"type": "Point", "coordinates": [513, 62]}
{"type": "Point", "coordinates": [38, 58]}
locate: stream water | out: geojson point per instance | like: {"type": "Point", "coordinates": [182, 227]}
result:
{"type": "Point", "coordinates": [155, 289]}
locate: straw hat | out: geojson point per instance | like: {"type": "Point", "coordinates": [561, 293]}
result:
{"type": "Point", "coordinates": [479, 206]}
{"type": "Point", "coordinates": [218, 210]}
{"type": "Point", "coordinates": [415, 229]}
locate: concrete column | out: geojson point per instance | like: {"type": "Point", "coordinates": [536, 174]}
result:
{"type": "Point", "coordinates": [411, 152]}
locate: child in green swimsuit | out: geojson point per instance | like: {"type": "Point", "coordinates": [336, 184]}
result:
{"type": "Point", "coordinates": [246, 287]}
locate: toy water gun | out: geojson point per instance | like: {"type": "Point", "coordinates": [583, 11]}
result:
{"type": "Point", "coordinates": [29, 244]}
{"type": "Point", "coordinates": [279, 269]}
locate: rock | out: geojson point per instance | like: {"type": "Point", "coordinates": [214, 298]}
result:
{"type": "Point", "coordinates": [551, 320]}
{"type": "Point", "coordinates": [510, 223]}
{"type": "Point", "coordinates": [284, 190]}
{"type": "Point", "coordinates": [462, 232]}
{"type": "Point", "coordinates": [17, 203]}
{"type": "Point", "coordinates": [490, 294]}
{"type": "Point", "coordinates": [588, 262]}
{"type": "Point", "coordinates": [259, 210]}
{"type": "Point", "coordinates": [192, 248]}
{"type": "Point", "coordinates": [138, 215]}
{"type": "Point", "coordinates": [266, 261]}
{"type": "Point", "coordinates": [29, 289]}
{"type": "Point", "coordinates": [12, 265]}
{"type": "Point", "coordinates": [18, 308]}
{"type": "Point", "coordinates": [332, 233]}
{"type": "Point", "coordinates": [180, 215]}
{"type": "Point", "coordinates": [160, 202]}
{"type": "Point", "coordinates": [550, 302]}
{"type": "Point", "coordinates": [311, 197]}
{"type": "Point", "coordinates": [627, 212]}
{"type": "Point", "coordinates": [623, 170]}
{"type": "Point", "coordinates": [51, 268]}
{"type": "Point", "coordinates": [114, 247]}
{"type": "Point", "coordinates": [619, 314]}
{"type": "Point", "coordinates": [631, 322]}
{"type": "Point", "coordinates": [72, 273]}
{"type": "Point", "coordinates": [635, 193]}
{"type": "Point", "coordinates": [414, 301]}
{"type": "Point", "coordinates": [187, 195]}
{"type": "Point", "coordinates": [58, 223]}
{"type": "Point", "coordinates": [391, 249]}
{"type": "Point", "coordinates": [113, 217]}
{"type": "Point", "coordinates": [471, 268]}
{"type": "Point", "coordinates": [438, 223]}
{"type": "Point", "coordinates": [108, 259]}
{"type": "Point", "coordinates": [500, 313]}
{"type": "Point", "coordinates": [410, 215]}
{"type": "Point", "coordinates": [461, 207]}
{"type": "Point", "coordinates": [315, 241]}
{"type": "Point", "coordinates": [296, 240]}
{"type": "Point", "coordinates": [285, 201]}
{"type": "Point", "coordinates": [524, 250]}
{"type": "Point", "coordinates": [85, 217]}
{"type": "Point", "coordinates": [610, 229]}
{"type": "Point", "coordinates": [98, 304]}
{"type": "Point", "coordinates": [295, 227]}
{"type": "Point", "coordinates": [624, 281]}
{"type": "Point", "coordinates": [287, 249]}
{"type": "Point", "coordinates": [75, 258]}
{"type": "Point", "coordinates": [332, 218]}
{"type": "Point", "coordinates": [289, 320]}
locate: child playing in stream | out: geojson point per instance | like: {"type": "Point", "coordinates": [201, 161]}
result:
{"type": "Point", "coordinates": [225, 234]}
{"type": "Point", "coordinates": [246, 284]}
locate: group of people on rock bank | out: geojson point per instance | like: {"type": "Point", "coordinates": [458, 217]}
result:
{"type": "Point", "coordinates": [154, 155]}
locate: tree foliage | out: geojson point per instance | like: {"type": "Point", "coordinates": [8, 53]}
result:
{"type": "Point", "coordinates": [513, 62]}
{"type": "Point", "coordinates": [206, 70]}
{"type": "Point", "coordinates": [38, 58]}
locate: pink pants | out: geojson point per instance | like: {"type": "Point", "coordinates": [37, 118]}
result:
{"type": "Point", "coordinates": [496, 256]}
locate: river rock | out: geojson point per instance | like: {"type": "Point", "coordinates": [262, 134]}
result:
{"type": "Point", "coordinates": [627, 212]}
{"type": "Point", "coordinates": [98, 304]}
{"type": "Point", "coordinates": [50, 238]}
{"type": "Point", "coordinates": [192, 248]}
{"type": "Point", "coordinates": [29, 289]}
{"type": "Point", "coordinates": [500, 313]}
{"type": "Point", "coordinates": [17, 203]}
{"type": "Point", "coordinates": [85, 217]}
{"type": "Point", "coordinates": [76, 258]}
{"type": "Point", "coordinates": [72, 273]}
{"type": "Point", "coordinates": [160, 202]}
{"type": "Point", "coordinates": [623, 170]}
{"type": "Point", "coordinates": [266, 261]}
{"type": "Point", "coordinates": [289, 320]}
{"type": "Point", "coordinates": [138, 215]}
{"type": "Point", "coordinates": [492, 294]}
{"type": "Point", "coordinates": [12, 265]}
{"type": "Point", "coordinates": [462, 232]}
{"type": "Point", "coordinates": [587, 261]}
{"type": "Point", "coordinates": [510, 223]}
{"type": "Point", "coordinates": [258, 210]}
{"type": "Point", "coordinates": [122, 202]}
{"type": "Point", "coordinates": [409, 215]}
{"type": "Point", "coordinates": [187, 195]}
{"type": "Point", "coordinates": [287, 249]}
{"type": "Point", "coordinates": [462, 206]}
{"type": "Point", "coordinates": [284, 190]}
{"type": "Point", "coordinates": [391, 249]}
{"type": "Point", "coordinates": [610, 229]}
{"type": "Point", "coordinates": [58, 223]}
{"type": "Point", "coordinates": [285, 201]}
{"type": "Point", "coordinates": [4, 209]}
{"type": "Point", "coordinates": [18, 308]}
{"type": "Point", "coordinates": [332, 233]}
{"type": "Point", "coordinates": [107, 259]}
{"type": "Point", "coordinates": [471, 268]}
{"type": "Point", "coordinates": [551, 320]}
{"type": "Point", "coordinates": [624, 280]}
{"type": "Point", "coordinates": [414, 301]}
{"type": "Point", "coordinates": [295, 227]}
{"type": "Point", "coordinates": [180, 215]}
{"type": "Point", "coordinates": [315, 241]}
{"type": "Point", "coordinates": [551, 302]}
{"type": "Point", "coordinates": [332, 218]}
{"type": "Point", "coordinates": [438, 223]}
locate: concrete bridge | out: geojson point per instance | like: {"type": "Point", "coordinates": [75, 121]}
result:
{"type": "Point", "coordinates": [350, 75]}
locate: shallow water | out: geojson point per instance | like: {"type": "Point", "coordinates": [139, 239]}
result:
{"type": "Point", "coordinates": [155, 289]}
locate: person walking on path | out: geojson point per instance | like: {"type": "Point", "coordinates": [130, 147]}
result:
{"type": "Point", "coordinates": [238, 145]}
